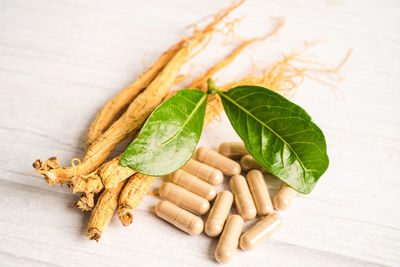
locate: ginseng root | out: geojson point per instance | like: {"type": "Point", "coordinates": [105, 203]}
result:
{"type": "Point", "coordinates": [112, 172]}
{"type": "Point", "coordinates": [103, 211]}
{"type": "Point", "coordinates": [131, 196]}
{"type": "Point", "coordinates": [137, 111]}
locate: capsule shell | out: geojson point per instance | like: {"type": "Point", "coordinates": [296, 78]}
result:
{"type": "Point", "coordinates": [218, 213]}
{"type": "Point", "coordinates": [216, 160]}
{"type": "Point", "coordinates": [249, 163]}
{"type": "Point", "coordinates": [243, 199]}
{"type": "Point", "coordinates": [261, 231]}
{"type": "Point", "coordinates": [184, 198]}
{"type": "Point", "coordinates": [204, 172]}
{"type": "Point", "coordinates": [228, 242]}
{"type": "Point", "coordinates": [284, 197]}
{"type": "Point", "coordinates": [259, 191]}
{"type": "Point", "coordinates": [193, 184]}
{"type": "Point", "coordinates": [233, 150]}
{"type": "Point", "coordinates": [180, 218]}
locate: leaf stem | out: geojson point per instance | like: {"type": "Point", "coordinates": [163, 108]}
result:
{"type": "Point", "coordinates": [212, 89]}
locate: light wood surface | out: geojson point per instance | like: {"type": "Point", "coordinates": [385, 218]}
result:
{"type": "Point", "coordinates": [61, 60]}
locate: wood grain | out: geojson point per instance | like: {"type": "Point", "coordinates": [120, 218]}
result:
{"type": "Point", "coordinates": [61, 60]}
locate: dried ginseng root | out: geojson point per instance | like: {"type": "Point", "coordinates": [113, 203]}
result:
{"type": "Point", "coordinates": [131, 196]}
{"type": "Point", "coordinates": [103, 211]}
{"type": "Point", "coordinates": [137, 111]}
{"type": "Point", "coordinates": [111, 173]}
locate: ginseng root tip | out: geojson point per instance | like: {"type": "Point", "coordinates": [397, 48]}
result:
{"type": "Point", "coordinates": [94, 234]}
{"type": "Point", "coordinates": [126, 217]}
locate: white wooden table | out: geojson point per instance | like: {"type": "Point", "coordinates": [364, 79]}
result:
{"type": "Point", "coordinates": [61, 60]}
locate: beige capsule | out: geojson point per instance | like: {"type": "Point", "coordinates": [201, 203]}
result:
{"type": "Point", "coordinates": [249, 163]}
{"type": "Point", "coordinates": [261, 231]}
{"type": "Point", "coordinates": [180, 218]}
{"type": "Point", "coordinates": [218, 213]}
{"type": "Point", "coordinates": [233, 150]}
{"type": "Point", "coordinates": [284, 197]}
{"type": "Point", "coordinates": [243, 199]}
{"type": "Point", "coordinates": [228, 242]}
{"type": "Point", "coordinates": [259, 191]}
{"type": "Point", "coordinates": [193, 184]}
{"type": "Point", "coordinates": [216, 160]}
{"type": "Point", "coordinates": [184, 198]}
{"type": "Point", "coordinates": [204, 172]}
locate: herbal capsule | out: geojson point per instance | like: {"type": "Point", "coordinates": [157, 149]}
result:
{"type": "Point", "coordinates": [261, 231]}
{"type": "Point", "coordinates": [216, 160]}
{"type": "Point", "coordinates": [193, 184]}
{"type": "Point", "coordinates": [204, 172]}
{"type": "Point", "coordinates": [243, 200]}
{"type": "Point", "coordinates": [184, 198]}
{"type": "Point", "coordinates": [228, 242]}
{"type": "Point", "coordinates": [218, 214]}
{"type": "Point", "coordinates": [233, 150]}
{"type": "Point", "coordinates": [284, 197]}
{"type": "Point", "coordinates": [249, 163]}
{"type": "Point", "coordinates": [259, 191]}
{"type": "Point", "coordinates": [179, 217]}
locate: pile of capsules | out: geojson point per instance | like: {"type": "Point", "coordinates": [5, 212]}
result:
{"type": "Point", "coordinates": [191, 188]}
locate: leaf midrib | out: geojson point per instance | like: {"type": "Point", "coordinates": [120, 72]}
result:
{"type": "Point", "coordinates": [183, 125]}
{"type": "Point", "coordinates": [266, 126]}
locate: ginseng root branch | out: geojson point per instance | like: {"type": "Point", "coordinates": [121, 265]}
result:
{"type": "Point", "coordinates": [103, 211]}
{"type": "Point", "coordinates": [131, 196]}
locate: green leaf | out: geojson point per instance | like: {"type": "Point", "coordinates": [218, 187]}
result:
{"type": "Point", "coordinates": [169, 136]}
{"type": "Point", "coordinates": [279, 134]}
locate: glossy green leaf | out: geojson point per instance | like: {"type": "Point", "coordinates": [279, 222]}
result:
{"type": "Point", "coordinates": [169, 136]}
{"type": "Point", "coordinates": [279, 134]}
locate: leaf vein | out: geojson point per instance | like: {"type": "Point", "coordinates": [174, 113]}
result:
{"type": "Point", "coordinates": [269, 128]}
